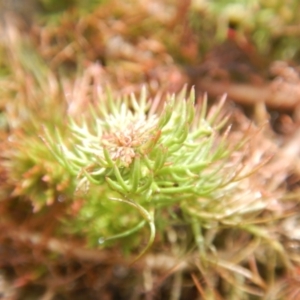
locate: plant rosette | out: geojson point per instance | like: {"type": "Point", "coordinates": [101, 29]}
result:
{"type": "Point", "coordinates": [150, 158]}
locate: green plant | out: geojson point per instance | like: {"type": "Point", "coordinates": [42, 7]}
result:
{"type": "Point", "coordinates": [272, 26]}
{"type": "Point", "coordinates": [152, 159]}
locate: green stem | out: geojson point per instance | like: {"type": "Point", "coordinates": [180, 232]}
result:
{"type": "Point", "coordinates": [149, 217]}
{"type": "Point", "coordinates": [126, 233]}
{"type": "Point", "coordinates": [150, 242]}
{"type": "Point", "coordinates": [198, 235]}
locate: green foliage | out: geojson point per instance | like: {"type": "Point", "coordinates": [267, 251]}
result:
{"type": "Point", "coordinates": [272, 25]}
{"type": "Point", "coordinates": [35, 174]}
{"type": "Point", "coordinates": [138, 160]}
{"type": "Point", "coordinates": [52, 6]}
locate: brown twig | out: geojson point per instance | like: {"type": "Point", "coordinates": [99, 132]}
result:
{"type": "Point", "coordinates": [249, 94]}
